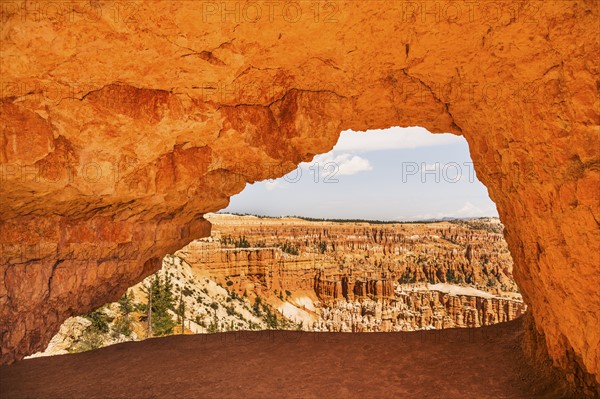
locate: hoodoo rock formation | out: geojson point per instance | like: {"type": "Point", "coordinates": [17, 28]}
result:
{"type": "Point", "coordinates": [123, 123]}
{"type": "Point", "coordinates": [360, 277]}
{"type": "Point", "coordinates": [471, 252]}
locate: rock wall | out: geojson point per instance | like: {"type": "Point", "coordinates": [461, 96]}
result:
{"type": "Point", "coordinates": [258, 270]}
{"type": "Point", "coordinates": [138, 118]}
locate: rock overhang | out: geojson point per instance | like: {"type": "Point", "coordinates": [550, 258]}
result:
{"type": "Point", "coordinates": [102, 179]}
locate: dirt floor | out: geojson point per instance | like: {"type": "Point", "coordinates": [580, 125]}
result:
{"type": "Point", "coordinates": [458, 363]}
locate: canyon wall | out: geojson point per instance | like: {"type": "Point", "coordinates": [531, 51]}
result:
{"type": "Point", "coordinates": [122, 124]}
{"type": "Point", "coordinates": [472, 252]}
{"type": "Point", "coordinates": [416, 308]}
{"type": "Point", "coordinates": [358, 276]}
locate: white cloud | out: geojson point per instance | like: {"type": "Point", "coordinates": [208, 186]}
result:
{"type": "Point", "coordinates": [341, 164]}
{"type": "Point", "coordinates": [392, 139]}
{"type": "Point", "coordinates": [469, 210]}
{"type": "Point", "coordinates": [351, 164]}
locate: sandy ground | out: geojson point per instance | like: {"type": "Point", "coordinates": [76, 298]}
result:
{"type": "Point", "coordinates": [457, 363]}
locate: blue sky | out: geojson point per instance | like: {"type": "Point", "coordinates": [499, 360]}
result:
{"type": "Point", "coordinates": [393, 174]}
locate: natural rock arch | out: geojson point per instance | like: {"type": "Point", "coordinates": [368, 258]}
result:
{"type": "Point", "coordinates": [122, 127]}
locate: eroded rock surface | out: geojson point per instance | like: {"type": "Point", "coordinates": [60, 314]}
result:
{"type": "Point", "coordinates": [357, 276]}
{"type": "Point", "coordinates": [123, 124]}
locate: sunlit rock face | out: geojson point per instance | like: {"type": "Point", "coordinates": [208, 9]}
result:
{"type": "Point", "coordinates": [122, 126]}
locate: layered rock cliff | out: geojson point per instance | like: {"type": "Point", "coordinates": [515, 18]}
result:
{"type": "Point", "coordinates": [123, 124]}
{"type": "Point", "coordinates": [418, 308]}
{"type": "Point", "coordinates": [353, 276]}
{"type": "Point", "coordinates": [471, 252]}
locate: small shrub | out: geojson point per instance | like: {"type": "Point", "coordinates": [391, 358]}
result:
{"type": "Point", "coordinates": [322, 247]}
{"type": "Point", "coordinates": [99, 320]}
{"type": "Point", "coordinates": [450, 276]}
{"type": "Point", "coordinates": [126, 303]}
{"type": "Point", "coordinates": [122, 326]}
{"type": "Point", "coordinates": [213, 327]}
{"type": "Point", "coordinates": [90, 340]}
{"type": "Point", "coordinates": [257, 305]}
{"type": "Point", "coordinates": [242, 242]}
{"type": "Point", "coordinates": [290, 248]}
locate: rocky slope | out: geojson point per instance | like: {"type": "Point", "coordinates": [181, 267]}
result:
{"type": "Point", "coordinates": [209, 308]}
{"type": "Point", "coordinates": [123, 125]}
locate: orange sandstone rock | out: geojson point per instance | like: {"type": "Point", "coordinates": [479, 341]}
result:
{"type": "Point", "coordinates": [122, 126]}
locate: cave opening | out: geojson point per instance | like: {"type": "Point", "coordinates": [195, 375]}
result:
{"type": "Point", "coordinates": [389, 231]}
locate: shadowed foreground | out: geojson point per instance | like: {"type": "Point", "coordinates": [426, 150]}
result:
{"type": "Point", "coordinates": [457, 363]}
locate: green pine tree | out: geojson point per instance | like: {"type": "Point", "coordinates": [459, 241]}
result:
{"type": "Point", "coordinates": [161, 300]}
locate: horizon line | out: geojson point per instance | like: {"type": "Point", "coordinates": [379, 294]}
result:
{"type": "Point", "coordinates": [359, 220]}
